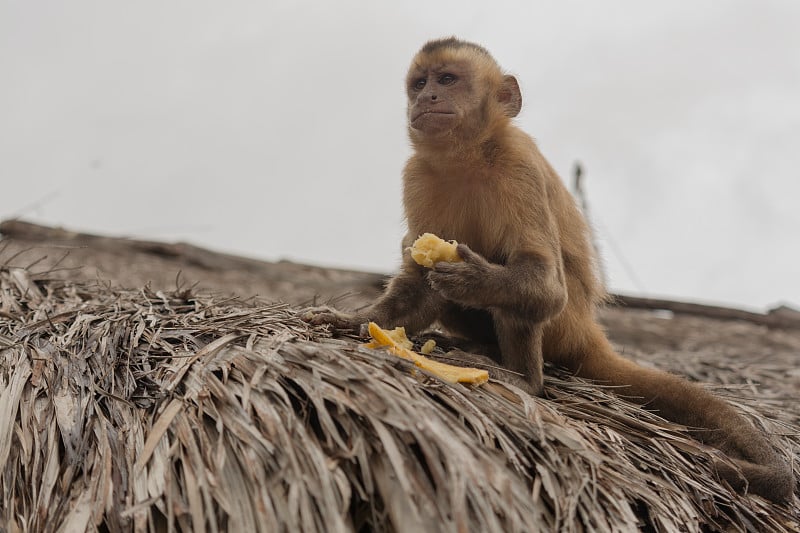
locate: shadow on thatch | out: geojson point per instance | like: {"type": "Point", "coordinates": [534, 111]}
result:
{"type": "Point", "coordinates": [140, 409]}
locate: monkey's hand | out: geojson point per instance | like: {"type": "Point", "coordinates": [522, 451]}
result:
{"type": "Point", "coordinates": [320, 315]}
{"type": "Point", "coordinates": [469, 282]}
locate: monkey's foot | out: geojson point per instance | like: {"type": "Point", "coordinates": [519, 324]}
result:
{"type": "Point", "coordinates": [320, 315]}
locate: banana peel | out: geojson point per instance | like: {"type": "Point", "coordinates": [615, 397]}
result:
{"type": "Point", "coordinates": [397, 343]}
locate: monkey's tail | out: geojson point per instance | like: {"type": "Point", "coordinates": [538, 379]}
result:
{"type": "Point", "coordinates": [759, 468]}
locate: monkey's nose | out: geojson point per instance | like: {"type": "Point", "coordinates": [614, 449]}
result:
{"type": "Point", "coordinates": [433, 97]}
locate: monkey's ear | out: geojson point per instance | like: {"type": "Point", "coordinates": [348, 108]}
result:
{"type": "Point", "coordinates": [510, 96]}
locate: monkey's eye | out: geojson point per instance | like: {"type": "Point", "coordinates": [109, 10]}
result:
{"type": "Point", "coordinates": [446, 79]}
{"type": "Point", "coordinates": [419, 84]}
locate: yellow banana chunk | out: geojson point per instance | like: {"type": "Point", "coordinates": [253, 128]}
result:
{"type": "Point", "coordinates": [397, 336]}
{"type": "Point", "coordinates": [428, 347]}
{"type": "Point", "coordinates": [450, 373]}
{"type": "Point", "coordinates": [429, 249]}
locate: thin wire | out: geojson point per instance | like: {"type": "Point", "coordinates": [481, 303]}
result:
{"type": "Point", "coordinates": [617, 252]}
{"type": "Point", "coordinates": [593, 220]}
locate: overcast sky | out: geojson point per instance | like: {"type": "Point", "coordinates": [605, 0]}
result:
{"type": "Point", "coordinates": [276, 129]}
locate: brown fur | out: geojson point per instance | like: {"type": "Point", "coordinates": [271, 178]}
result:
{"type": "Point", "coordinates": [527, 283]}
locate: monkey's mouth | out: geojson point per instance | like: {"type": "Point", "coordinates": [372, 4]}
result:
{"type": "Point", "coordinates": [430, 112]}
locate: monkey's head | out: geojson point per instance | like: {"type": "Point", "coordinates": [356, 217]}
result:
{"type": "Point", "coordinates": [456, 88]}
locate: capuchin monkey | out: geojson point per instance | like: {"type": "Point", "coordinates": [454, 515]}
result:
{"type": "Point", "coordinates": [527, 284]}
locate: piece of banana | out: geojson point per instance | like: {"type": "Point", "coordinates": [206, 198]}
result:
{"type": "Point", "coordinates": [429, 249]}
{"type": "Point", "coordinates": [395, 342]}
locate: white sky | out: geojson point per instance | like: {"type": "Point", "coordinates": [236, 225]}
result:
{"type": "Point", "coordinates": [276, 129]}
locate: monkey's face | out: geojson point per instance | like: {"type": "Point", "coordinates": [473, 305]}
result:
{"type": "Point", "coordinates": [440, 96]}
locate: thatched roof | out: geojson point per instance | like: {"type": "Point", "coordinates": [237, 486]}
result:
{"type": "Point", "coordinates": [149, 408]}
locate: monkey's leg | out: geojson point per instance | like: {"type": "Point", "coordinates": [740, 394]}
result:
{"type": "Point", "coordinates": [474, 324]}
{"type": "Point", "coordinates": [477, 344]}
{"type": "Point", "coordinates": [408, 302]}
{"type": "Point", "coordinates": [520, 342]}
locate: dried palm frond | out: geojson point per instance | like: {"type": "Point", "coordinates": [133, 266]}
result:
{"type": "Point", "coordinates": [148, 411]}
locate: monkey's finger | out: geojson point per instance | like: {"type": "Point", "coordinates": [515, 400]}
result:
{"type": "Point", "coordinates": [318, 319]}
{"type": "Point", "coordinates": [447, 267]}
{"type": "Point", "coordinates": [466, 253]}
{"type": "Point", "coordinates": [325, 315]}
{"type": "Point", "coordinates": [307, 314]}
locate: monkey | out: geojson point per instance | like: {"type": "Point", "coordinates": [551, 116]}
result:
{"type": "Point", "coordinates": [528, 282]}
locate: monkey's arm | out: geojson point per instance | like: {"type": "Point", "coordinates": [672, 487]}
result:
{"type": "Point", "coordinates": [522, 294]}
{"type": "Point", "coordinates": [529, 285]}
{"type": "Point", "coordinates": [408, 301]}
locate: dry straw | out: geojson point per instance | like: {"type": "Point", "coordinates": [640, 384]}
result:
{"type": "Point", "coordinates": [133, 410]}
